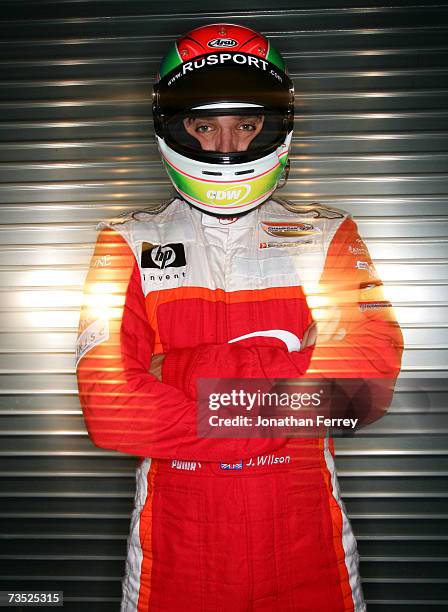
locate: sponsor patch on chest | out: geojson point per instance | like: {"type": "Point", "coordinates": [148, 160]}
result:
{"type": "Point", "coordinates": [163, 266]}
{"type": "Point", "coordinates": [289, 229]}
{"type": "Point", "coordinates": [163, 256]}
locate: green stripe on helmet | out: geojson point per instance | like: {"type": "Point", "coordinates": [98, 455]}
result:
{"type": "Point", "coordinates": [221, 194]}
{"type": "Point", "coordinates": [283, 159]}
{"type": "Point", "coordinates": [171, 60]}
{"type": "Point", "coordinates": [275, 58]}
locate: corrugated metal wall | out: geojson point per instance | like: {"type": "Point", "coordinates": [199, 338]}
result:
{"type": "Point", "coordinates": [77, 145]}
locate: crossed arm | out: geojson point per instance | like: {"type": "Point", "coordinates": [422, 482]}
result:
{"type": "Point", "coordinates": [153, 413]}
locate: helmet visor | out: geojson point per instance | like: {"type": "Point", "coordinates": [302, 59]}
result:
{"type": "Point", "coordinates": [229, 135]}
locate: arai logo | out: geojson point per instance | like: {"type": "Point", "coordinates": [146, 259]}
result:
{"type": "Point", "coordinates": [226, 43]}
{"type": "Point", "coordinates": [235, 196]}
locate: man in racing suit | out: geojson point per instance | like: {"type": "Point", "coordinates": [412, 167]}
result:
{"type": "Point", "coordinates": [222, 287]}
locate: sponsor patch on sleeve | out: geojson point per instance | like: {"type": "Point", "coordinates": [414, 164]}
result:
{"type": "Point", "coordinates": [358, 247]}
{"type": "Point", "coordinates": [364, 306]}
{"type": "Point", "coordinates": [95, 333]}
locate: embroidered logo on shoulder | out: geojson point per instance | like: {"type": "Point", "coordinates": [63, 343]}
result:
{"type": "Point", "coordinates": [163, 256]}
{"type": "Point", "coordinates": [358, 248]}
{"type": "Point", "coordinates": [289, 229]}
{"type": "Point", "coordinates": [368, 267]}
{"type": "Point", "coordinates": [102, 261]}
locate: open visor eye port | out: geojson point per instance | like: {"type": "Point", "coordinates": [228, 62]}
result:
{"type": "Point", "coordinates": [188, 133]}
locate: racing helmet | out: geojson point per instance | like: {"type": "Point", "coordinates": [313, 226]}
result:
{"type": "Point", "coordinates": [223, 70]}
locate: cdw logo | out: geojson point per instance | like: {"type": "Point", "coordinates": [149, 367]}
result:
{"type": "Point", "coordinates": [229, 195]}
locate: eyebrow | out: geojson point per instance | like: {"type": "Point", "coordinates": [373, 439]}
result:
{"type": "Point", "coordinates": [256, 117]}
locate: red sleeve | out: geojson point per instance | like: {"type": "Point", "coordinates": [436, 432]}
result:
{"type": "Point", "coordinates": [358, 335]}
{"type": "Point", "coordinates": [126, 408]}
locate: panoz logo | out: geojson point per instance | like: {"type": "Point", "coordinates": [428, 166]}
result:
{"type": "Point", "coordinates": [235, 196]}
{"type": "Point", "coordinates": [226, 43]}
{"type": "Point", "coordinates": [163, 256]}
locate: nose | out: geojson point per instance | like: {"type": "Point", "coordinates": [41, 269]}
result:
{"type": "Point", "coordinates": [226, 141]}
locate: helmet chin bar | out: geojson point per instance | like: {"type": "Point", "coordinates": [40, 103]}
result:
{"type": "Point", "coordinates": [225, 190]}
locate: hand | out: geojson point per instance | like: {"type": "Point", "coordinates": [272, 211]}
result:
{"type": "Point", "coordinates": [309, 337]}
{"type": "Point", "coordinates": [156, 365]}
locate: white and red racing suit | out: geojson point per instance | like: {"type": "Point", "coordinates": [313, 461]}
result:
{"type": "Point", "coordinates": [229, 524]}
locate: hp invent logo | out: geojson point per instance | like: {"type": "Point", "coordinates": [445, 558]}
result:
{"type": "Point", "coordinates": [163, 256]}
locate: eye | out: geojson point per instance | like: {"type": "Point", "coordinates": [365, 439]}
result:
{"type": "Point", "coordinates": [203, 128]}
{"type": "Point", "coordinates": [247, 127]}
